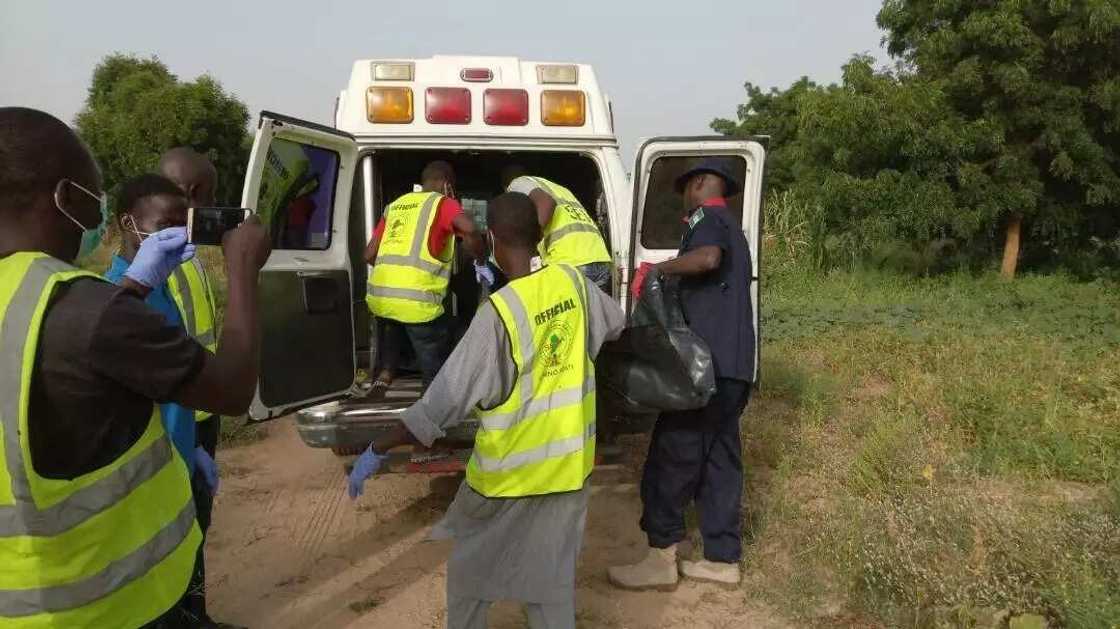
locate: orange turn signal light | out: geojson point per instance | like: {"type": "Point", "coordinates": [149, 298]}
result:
{"type": "Point", "coordinates": [563, 108]}
{"type": "Point", "coordinates": [389, 104]}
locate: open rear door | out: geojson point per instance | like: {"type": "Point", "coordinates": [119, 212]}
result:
{"type": "Point", "coordinates": [299, 182]}
{"type": "Point", "coordinates": [657, 225]}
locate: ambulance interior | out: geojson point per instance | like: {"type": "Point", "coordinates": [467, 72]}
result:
{"type": "Point", "coordinates": [478, 179]}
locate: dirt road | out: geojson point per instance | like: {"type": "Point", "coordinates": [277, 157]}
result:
{"type": "Point", "coordinates": [289, 549]}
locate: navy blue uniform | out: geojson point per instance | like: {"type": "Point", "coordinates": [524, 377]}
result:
{"type": "Point", "coordinates": [697, 455]}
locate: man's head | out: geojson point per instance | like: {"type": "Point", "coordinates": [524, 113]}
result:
{"type": "Point", "coordinates": [145, 205]}
{"type": "Point", "coordinates": [511, 172]}
{"type": "Point", "coordinates": [438, 176]}
{"type": "Point", "coordinates": [49, 185]}
{"type": "Point", "coordinates": [193, 173]}
{"type": "Point", "coordinates": [709, 179]}
{"type": "Point", "coordinates": [703, 186]}
{"type": "Point", "coordinates": [511, 219]}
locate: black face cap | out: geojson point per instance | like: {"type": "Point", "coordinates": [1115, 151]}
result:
{"type": "Point", "coordinates": [720, 167]}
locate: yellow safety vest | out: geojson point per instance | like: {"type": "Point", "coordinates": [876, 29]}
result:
{"type": "Point", "coordinates": [541, 439]}
{"type": "Point", "coordinates": [408, 284]}
{"type": "Point", "coordinates": [190, 288]}
{"type": "Point", "coordinates": [571, 237]}
{"type": "Point", "coordinates": [112, 548]}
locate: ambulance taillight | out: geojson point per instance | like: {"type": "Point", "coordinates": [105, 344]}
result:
{"type": "Point", "coordinates": [563, 108]}
{"type": "Point", "coordinates": [391, 105]}
{"type": "Point", "coordinates": [505, 107]}
{"type": "Point", "coordinates": [447, 105]}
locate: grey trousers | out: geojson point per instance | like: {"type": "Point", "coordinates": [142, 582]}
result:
{"type": "Point", "coordinates": [465, 613]}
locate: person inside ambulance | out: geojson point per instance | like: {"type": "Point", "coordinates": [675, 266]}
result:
{"type": "Point", "coordinates": [525, 369]}
{"type": "Point", "coordinates": [411, 253]}
{"type": "Point", "coordinates": [568, 233]}
{"type": "Point", "coordinates": [97, 525]}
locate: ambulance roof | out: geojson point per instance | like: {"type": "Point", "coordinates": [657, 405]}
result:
{"type": "Point", "coordinates": [474, 96]}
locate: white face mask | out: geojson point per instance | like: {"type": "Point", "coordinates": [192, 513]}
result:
{"type": "Point", "coordinates": [91, 236]}
{"type": "Point", "coordinates": [490, 243]}
{"type": "Point", "coordinates": [139, 234]}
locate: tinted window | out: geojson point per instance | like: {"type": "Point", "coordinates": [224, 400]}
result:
{"type": "Point", "coordinates": [296, 200]}
{"type": "Point", "coordinates": [662, 217]}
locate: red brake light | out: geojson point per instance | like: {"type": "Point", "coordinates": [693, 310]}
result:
{"type": "Point", "coordinates": [447, 105]}
{"type": "Point", "coordinates": [506, 107]}
{"type": "Point", "coordinates": [476, 75]}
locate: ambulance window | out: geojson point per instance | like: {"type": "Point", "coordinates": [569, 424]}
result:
{"type": "Point", "coordinates": [296, 200]}
{"type": "Point", "coordinates": [663, 213]}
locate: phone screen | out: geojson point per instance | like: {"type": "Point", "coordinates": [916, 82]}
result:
{"type": "Point", "coordinates": [207, 225]}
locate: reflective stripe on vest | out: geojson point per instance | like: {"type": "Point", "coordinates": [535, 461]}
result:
{"type": "Point", "coordinates": [571, 237]}
{"type": "Point", "coordinates": [407, 283]}
{"type": "Point", "coordinates": [113, 547]}
{"type": "Point", "coordinates": [541, 439]}
{"type": "Point", "coordinates": [190, 289]}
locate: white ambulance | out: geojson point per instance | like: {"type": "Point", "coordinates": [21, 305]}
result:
{"type": "Point", "coordinates": [322, 189]}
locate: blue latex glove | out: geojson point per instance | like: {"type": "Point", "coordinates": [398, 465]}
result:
{"type": "Point", "coordinates": [366, 466]}
{"type": "Point", "coordinates": [208, 467]}
{"type": "Point", "coordinates": [483, 274]}
{"type": "Point", "coordinates": [159, 255]}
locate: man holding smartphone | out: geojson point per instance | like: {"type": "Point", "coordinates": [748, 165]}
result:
{"type": "Point", "coordinates": [190, 287]}
{"type": "Point", "coordinates": [83, 366]}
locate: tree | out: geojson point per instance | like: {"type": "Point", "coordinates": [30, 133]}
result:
{"type": "Point", "coordinates": [1044, 77]}
{"type": "Point", "coordinates": [773, 113]}
{"type": "Point", "coordinates": [136, 109]}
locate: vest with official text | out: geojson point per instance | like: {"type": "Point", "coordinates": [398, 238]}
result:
{"type": "Point", "coordinates": [541, 439]}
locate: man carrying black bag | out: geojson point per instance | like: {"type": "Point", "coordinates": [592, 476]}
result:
{"type": "Point", "coordinates": [696, 455]}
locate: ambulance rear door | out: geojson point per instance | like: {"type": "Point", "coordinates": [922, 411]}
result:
{"type": "Point", "coordinates": [657, 222]}
{"type": "Point", "coordinates": [299, 181]}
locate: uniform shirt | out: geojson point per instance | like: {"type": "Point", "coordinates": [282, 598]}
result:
{"type": "Point", "coordinates": [441, 229]}
{"type": "Point", "coordinates": [521, 549]}
{"type": "Point", "coordinates": [103, 357]}
{"type": "Point", "coordinates": [178, 420]}
{"type": "Point", "coordinates": [717, 305]}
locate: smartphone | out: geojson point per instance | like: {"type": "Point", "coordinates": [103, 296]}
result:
{"type": "Point", "coordinates": [207, 225]}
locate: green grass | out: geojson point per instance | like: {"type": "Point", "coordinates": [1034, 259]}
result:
{"type": "Point", "coordinates": [931, 452]}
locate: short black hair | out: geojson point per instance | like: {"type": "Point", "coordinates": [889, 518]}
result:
{"type": "Point", "coordinates": [36, 151]}
{"type": "Point", "coordinates": [438, 170]}
{"type": "Point", "coordinates": [142, 187]}
{"type": "Point", "coordinates": [512, 217]}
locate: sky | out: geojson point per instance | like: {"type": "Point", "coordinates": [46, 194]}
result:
{"type": "Point", "coordinates": [669, 67]}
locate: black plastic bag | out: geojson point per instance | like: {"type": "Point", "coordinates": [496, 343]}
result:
{"type": "Point", "coordinates": [658, 364]}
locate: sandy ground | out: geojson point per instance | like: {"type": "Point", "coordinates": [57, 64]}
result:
{"type": "Point", "coordinates": [289, 549]}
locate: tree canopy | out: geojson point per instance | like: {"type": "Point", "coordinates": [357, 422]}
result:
{"type": "Point", "coordinates": [136, 109]}
{"type": "Point", "coordinates": [999, 115]}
